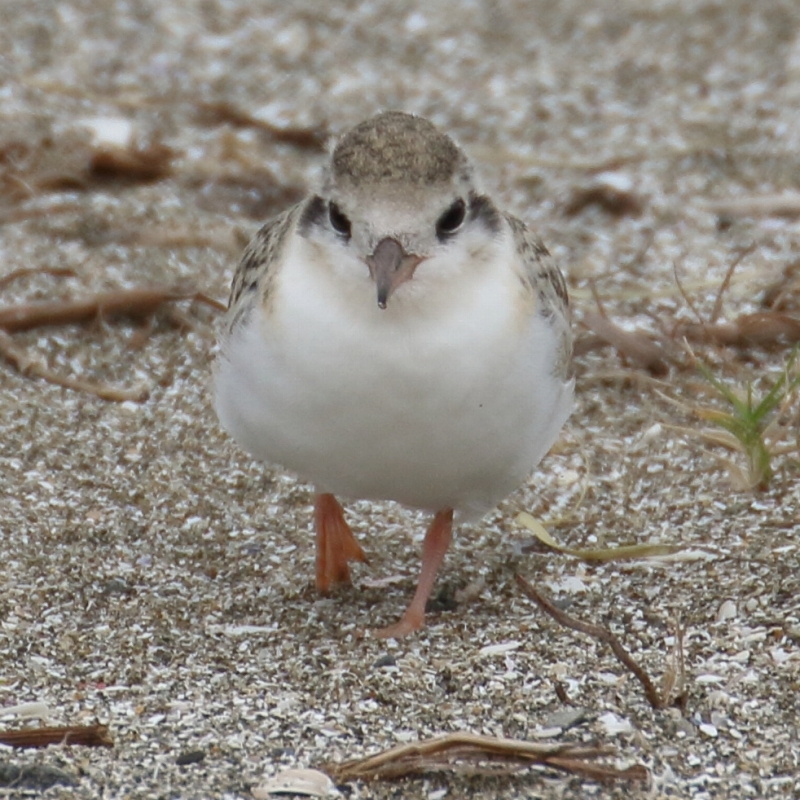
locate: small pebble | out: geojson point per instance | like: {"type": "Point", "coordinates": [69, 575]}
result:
{"type": "Point", "coordinates": [190, 757]}
{"type": "Point", "coordinates": [566, 718]}
{"type": "Point", "coordinates": [282, 752]}
{"type": "Point", "coordinates": [387, 660]}
{"type": "Point", "coordinates": [615, 725]}
{"type": "Point", "coordinates": [117, 586]}
{"type": "Point", "coordinates": [726, 611]}
{"type": "Point", "coordinates": [708, 729]}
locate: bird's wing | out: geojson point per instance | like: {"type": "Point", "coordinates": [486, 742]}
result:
{"type": "Point", "coordinates": [542, 277]}
{"type": "Point", "coordinates": [260, 261]}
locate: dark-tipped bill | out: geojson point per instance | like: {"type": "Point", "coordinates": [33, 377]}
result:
{"type": "Point", "coordinates": [390, 266]}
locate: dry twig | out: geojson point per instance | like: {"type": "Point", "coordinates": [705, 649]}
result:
{"type": "Point", "coordinates": [613, 200]}
{"type": "Point", "coordinates": [473, 753]}
{"type": "Point", "coordinates": [784, 294]}
{"type": "Point", "coordinates": [56, 272]}
{"type": "Point", "coordinates": [25, 365]}
{"type": "Point", "coordinates": [96, 233]}
{"type": "Point", "coordinates": [726, 282]}
{"type": "Point", "coordinates": [775, 205]}
{"type": "Point", "coordinates": [12, 215]}
{"type": "Point", "coordinates": [763, 328]}
{"type": "Point", "coordinates": [36, 159]}
{"type": "Point", "coordinates": [686, 298]}
{"type": "Point", "coordinates": [133, 162]}
{"type": "Point", "coordinates": [656, 699]}
{"type": "Point", "coordinates": [133, 303]}
{"type": "Point", "coordinates": [222, 112]}
{"type": "Point", "coordinates": [86, 735]}
{"type": "Point", "coordinates": [634, 346]}
{"type": "Point", "coordinates": [673, 683]}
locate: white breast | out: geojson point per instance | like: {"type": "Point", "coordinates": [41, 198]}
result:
{"type": "Point", "coordinates": [445, 399]}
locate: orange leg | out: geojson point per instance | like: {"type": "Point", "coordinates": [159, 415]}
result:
{"type": "Point", "coordinates": [437, 540]}
{"type": "Point", "coordinates": [336, 544]}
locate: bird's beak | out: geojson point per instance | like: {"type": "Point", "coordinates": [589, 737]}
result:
{"type": "Point", "coordinates": [390, 266]}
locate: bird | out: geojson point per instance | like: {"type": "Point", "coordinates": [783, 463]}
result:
{"type": "Point", "coordinates": [396, 336]}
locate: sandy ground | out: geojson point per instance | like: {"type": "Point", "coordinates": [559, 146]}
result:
{"type": "Point", "coordinates": [157, 580]}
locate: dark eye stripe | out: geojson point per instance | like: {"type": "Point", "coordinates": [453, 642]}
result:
{"type": "Point", "coordinates": [313, 214]}
{"type": "Point", "coordinates": [482, 209]}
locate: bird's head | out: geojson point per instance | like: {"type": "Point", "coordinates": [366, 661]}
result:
{"type": "Point", "coordinates": [397, 193]}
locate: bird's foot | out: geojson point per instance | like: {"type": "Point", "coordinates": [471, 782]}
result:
{"type": "Point", "coordinates": [336, 544]}
{"type": "Point", "coordinates": [410, 622]}
{"type": "Point", "coordinates": [437, 540]}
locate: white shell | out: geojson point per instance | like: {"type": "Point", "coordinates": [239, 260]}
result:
{"type": "Point", "coordinates": [309, 782]}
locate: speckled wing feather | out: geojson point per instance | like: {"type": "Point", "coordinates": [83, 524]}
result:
{"type": "Point", "coordinates": [543, 277]}
{"type": "Point", "coordinates": [253, 278]}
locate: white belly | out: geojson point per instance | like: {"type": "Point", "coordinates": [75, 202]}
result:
{"type": "Point", "coordinates": [434, 408]}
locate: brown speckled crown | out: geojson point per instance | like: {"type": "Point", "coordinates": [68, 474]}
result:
{"type": "Point", "coordinates": [394, 146]}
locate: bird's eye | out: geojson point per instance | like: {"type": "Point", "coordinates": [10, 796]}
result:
{"type": "Point", "coordinates": [339, 222]}
{"type": "Point", "coordinates": [452, 219]}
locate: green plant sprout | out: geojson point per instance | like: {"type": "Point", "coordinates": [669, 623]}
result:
{"type": "Point", "coordinates": [750, 421]}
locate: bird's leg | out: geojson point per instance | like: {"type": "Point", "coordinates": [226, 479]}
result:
{"type": "Point", "coordinates": [336, 544]}
{"type": "Point", "coordinates": [437, 540]}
